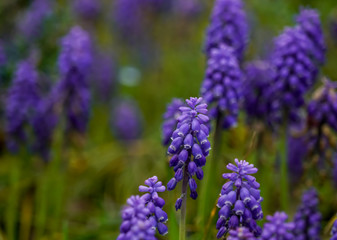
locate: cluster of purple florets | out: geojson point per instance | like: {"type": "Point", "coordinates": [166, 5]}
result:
{"type": "Point", "coordinates": [228, 27]}
{"type": "Point", "coordinates": [256, 91]}
{"type": "Point", "coordinates": [171, 119]}
{"type": "Point", "coordinates": [144, 214]}
{"type": "Point", "coordinates": [240, 200]}
{"type": "Point", "coordinates": [307, 219]}
{"type": "Point", "coordinates": [241, 233]}
{"type": "Point", "coordinates": [136, 224]}
{"type": "Point", "coordinates": [23, 96]}
{"type": "Point", "coordinates": [190, 146]}
{"type": "Point", "coordinates": [278, 228]}
{"type": "Point", "coordinates": [221, 88]}
{"type": "Point", "coordinates": [226, 41]}
{"type": "Point", "coordinates": [155, 203]}
{"type": "Point", "coordinates": [72, 91]}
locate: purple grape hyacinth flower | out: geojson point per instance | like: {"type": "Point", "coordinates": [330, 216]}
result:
{"type": "Point", "coordinates": [309, 21]}
{"type": "Point", "coordinates": [278, 228]}
{"type": "Point", "coordinates": [295, 71]}
{"type": "Point", "coordinates": [334, 231]}
{"type": "Point", "coordinates": [240, 233]}
{"type": "Point", "coordinates": [322, 109]}
{"type": "Point", "coordinates": [135, 223]}
{"type": "Point", "coordinates": [32, 20]}
{"type": "Point", "coordinates": [72, 92]}
{"type": "Point", "coordinates": [155, 204]}
{"type": "Point", "coordinates": [240, 200]}
{"type": "Point", "coordinates": [308, 218]}
{"type": "Point", "coordinates": [256, 92]}
{"type": "Point", "coordinates": [228, 27]}
{"type": "Point", "coordinates": [190, 146]}
{"type": "Point", "coordinates": [76, 52]}
{"type": "Point", "coordinates": [221, 88]}
{"type": "Point", "coordinates": [126, 120]}
{"type": "Point", "coordinates": [171, 119]}
{"type": "Point", "coordinates": [322, 122]}
{"type": "Point", "coordinates": [22, 99]}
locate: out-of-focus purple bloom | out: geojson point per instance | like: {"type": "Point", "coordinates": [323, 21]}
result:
{"type": "Point", "coordinates": [104, 76]}
{"type": "Point", "coordinates": [228, 27]}
{"type": "Point", "coordinates": [88, 9]}
{"type": "Point", "coordinates": [155, 204]}
{"type": "Point", "coordinates": [22, 99]}
{"type": "Point", "coordinates": [240, 200]}
{"type": "Point", "coordinates": [76, 52]}
{"type": "Point", "coordinates": [295, 71]}
{"type": "Point", "coordinates": [44, 123]}
{"type": "Point", "coordinates": [308, 218]}
{"type": "Point", "coordinates": [126, 120]}
{"type": "Point", "coordinates": [241, 233]}
{"type": "Point", "coordinates": [131, 17]}
{"type": "Point", "coordinates": [309, 21]}
{"type": "Point", "coordinates": [256, 92]}
{"type": "Point", "coordinates": [128, 18]}
{"type": "Point", "coordinates": [187, 8]}
{"type": "Point", "coordinates": [31, 22]}
{"type": "Point", "coordinates": [222, 85]}
{"type": "Point", "coordinates": [72, 92]}
{"type": "Point", "coordinates": [278, 228]}
{"type": "Point", "coordinates": [171, 119]}
{"type": "Point", "coordinates": [297, 151]}
{"type": "Point", "coordinates": [322, 109]}
{"type": "Point", "coordinates": [334, 231]}
{"type": "Point", "coordinates": [190, 146]}
{"type": "Point", "coordinates": [135, 223]}
{"type": "Point", "coordinates": [322, 121]}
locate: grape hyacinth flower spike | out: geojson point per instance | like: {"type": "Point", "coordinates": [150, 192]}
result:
{"type": "Point", "coordinates": [189, 147]}
{"type": "Point", "coordinates": [294, 72]}
{"type": "Point", "coordinates": [322, 123]}
{"type": "Point", "coordinates": [22, 99]}
{"type": "Point", "coordinates": [309, 21]}
{"type": "Point", "coordinates": [228, 26]}
{"type": "Point", "coordinates": [240, 200]}
{"type": "Point", "coordinates": [72, 92]}
{"type": "Point", "coordinates": [308, 218]}
{"type": "Point", "coordinates": [241, 233]}
{"type": "Point", "coordinates": [136, 224]}
{"type": "Point", "coordinates": [221, 88]}
{"type": "Point", "coordinates": [334, 231]}
{"type": "Point", "coordinates": [278, 228]}
{"type": "Point", "coordinates": [171, 119]}
{"type": "Point", "coordinates": [126, 120]}
{"type": "Point", "coordinates": [154, 203]}
{"type": "Point", "coordinates": [256, 91]}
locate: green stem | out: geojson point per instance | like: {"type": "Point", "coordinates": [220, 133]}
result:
{"type": "Point", "coordinates": [283, 148]}
{"type": "Point", "coordinates": [13, 198]}
{"type": "Point", "coordinates": [41, 204]}
{"type": "Point", "coordinates": [207, 198]}
{"type": "Point", "coordinates": [182, 226]}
